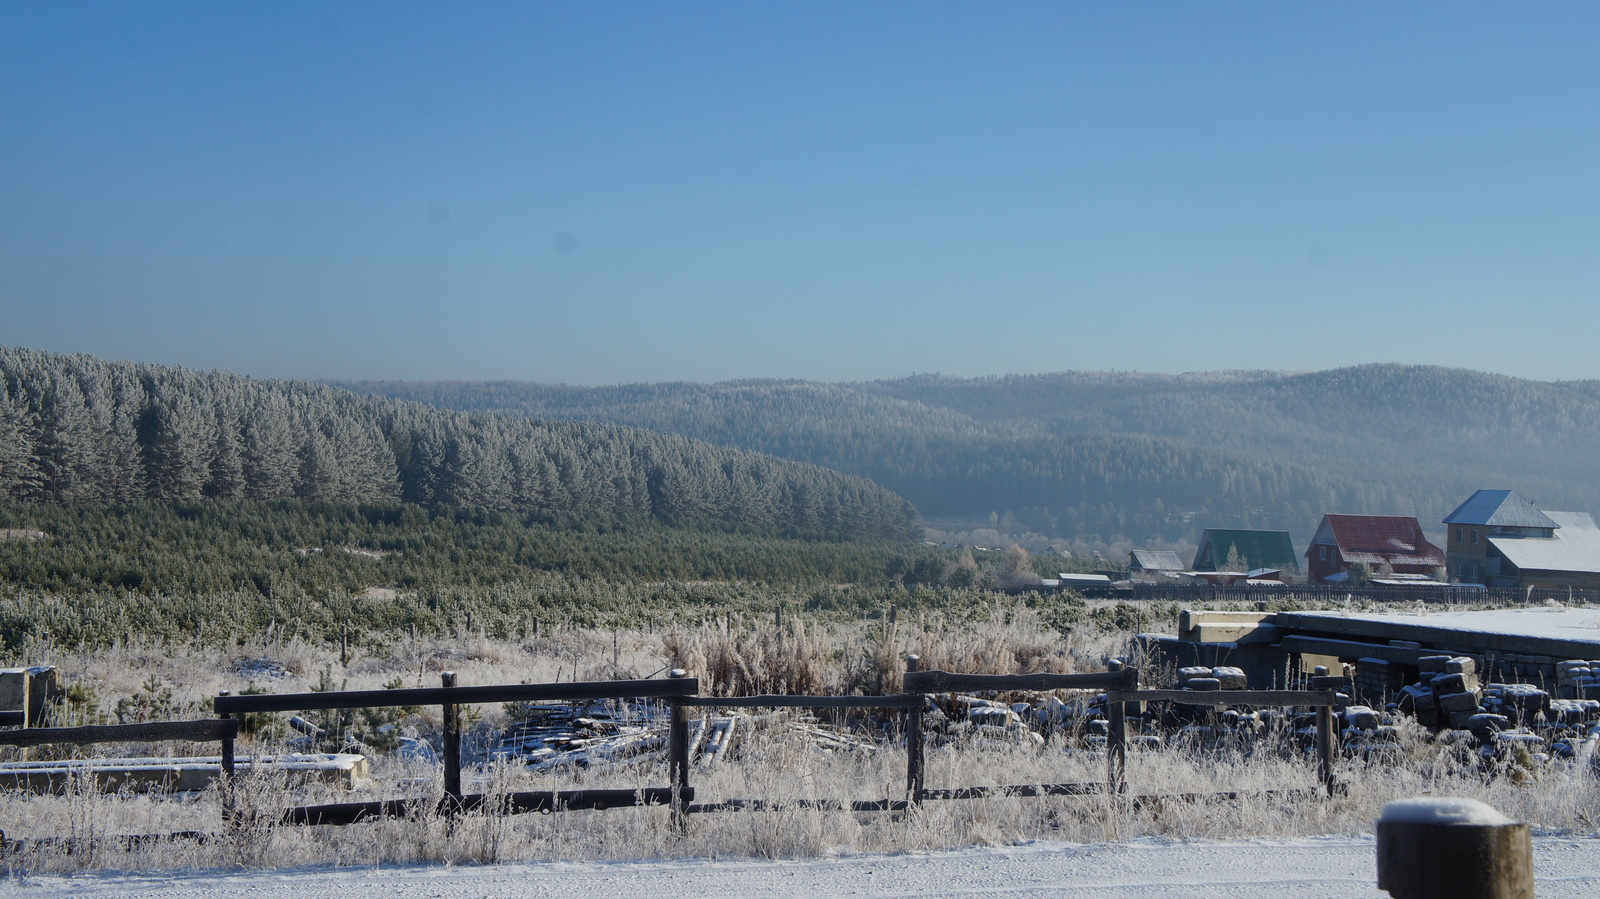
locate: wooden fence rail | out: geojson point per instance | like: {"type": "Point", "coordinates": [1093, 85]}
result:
{"type": "Point", "coordinates": [681, 693]}
{"type": "Point", "coordinates": [450, 697]}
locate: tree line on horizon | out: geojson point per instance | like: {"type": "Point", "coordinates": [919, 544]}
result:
{"type": "Point", "coordinates": [1124, 455]}
{"type": "Point", "coordinates": [76, 429]}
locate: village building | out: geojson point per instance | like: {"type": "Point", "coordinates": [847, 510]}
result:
{"type": "Point", "coordinates": [1497, 538]}
{"type": "Point", "coordinates": [1386, 545]}
{"type": "Point", "coordinates": [1238, 549]}
{"type": "Point", "coordinates": [1154, 562]}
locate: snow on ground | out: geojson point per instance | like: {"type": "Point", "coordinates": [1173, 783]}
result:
{"type": "Point", "coordinates": [1313, 868]}
{"type": "Point", "coordinates": [1553, 622]}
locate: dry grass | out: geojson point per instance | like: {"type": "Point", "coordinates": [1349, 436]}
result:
{"type": "Point", "coordinates": [779, 766]}
{"type": "Point", "coordinates": [732, 656]}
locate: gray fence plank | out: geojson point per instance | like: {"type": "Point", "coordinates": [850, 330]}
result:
{"type": "Point", "coordinates": [153, 731]}
{"type": "Point", "coordinates": [895, 701]}
{"type": "Point", "coordinates": [1228, 697]}
{"type": "Point", "coordinates": [360, 699]}
{"type": "Point", "coordinates": [936, 681]}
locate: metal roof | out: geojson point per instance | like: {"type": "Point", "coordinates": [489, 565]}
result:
{"type": "Point", "coordinates": [1376, 539]}
{"type": "Point", "coordinates": [1255, 548]}
{"type": "Point", "coordinates": [1155, 560]}
{"type": "Point", "coordinates": [1502, 508]}
{"type": "Point", "coordinates": [1575, 547]}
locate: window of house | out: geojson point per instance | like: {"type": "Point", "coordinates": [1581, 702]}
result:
{"type": "Point", "coordinates": [1458, 535]}
{"type": "Point", "coordinates": [1322, 554]}
{"type": "Point", "coordinates": [1474, 536]}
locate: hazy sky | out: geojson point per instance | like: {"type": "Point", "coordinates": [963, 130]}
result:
{"type": "Point", "coordinates": [599, 192]}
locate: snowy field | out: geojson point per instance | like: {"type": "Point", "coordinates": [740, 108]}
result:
{"type": "Point", "coordinates": [1311, 868]}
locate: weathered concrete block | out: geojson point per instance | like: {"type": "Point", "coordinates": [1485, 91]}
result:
{"type": "Point", "coordinates": [1203, 683]}
{"type": "Point", "coordinates": [1414, 698]}
{"type": "Point", "coordinates": [44, 693]}
{"type": "Point", "coordinates": [1455, 683]}
{"type": "Point", "coordinates": [1231, 678]}
{"type": "Point", "coordinates": [1458, 702]}
{"type": "Point", "coordinates": [14, 684]}
{"type": "Point", "coordinates": [1461, 665]}
{"type": "Point", "coordinates": [1522, 696]}
{"type": "Point", "coordinates": [1485, 726]}
{"type": "Point", "coordinates": [1432, 664]}
{"type": "Point", "coordinates": [1361, 717]}
{"type": "Point", "coordinates": [1185, 674]}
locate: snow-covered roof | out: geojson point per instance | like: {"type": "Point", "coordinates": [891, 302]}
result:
{"type": "Point", "coordinates": [1066, 579]}
{"type": "Point", "coordinates": [1155, 560]}
{"type": "Point", "coordinates": [1575, 546]}
{"type": "Point", "coordinates": [1500, 508]}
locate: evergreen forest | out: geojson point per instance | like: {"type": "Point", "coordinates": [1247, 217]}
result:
{"type": "Point", "coordinates": [78, 430]}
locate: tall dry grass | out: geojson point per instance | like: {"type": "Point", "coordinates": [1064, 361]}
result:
{"type": "Point", "coordinates": [780, 766]}
{"type": "Point", "coordinates": [732, 656]}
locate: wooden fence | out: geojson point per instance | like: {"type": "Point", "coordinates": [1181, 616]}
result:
{"type": "Point", "coordinates": [681, 692]}
{"type": "Point", "coordinates": [450, 697]}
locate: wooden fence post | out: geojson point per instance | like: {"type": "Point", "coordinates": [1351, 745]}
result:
{"type": "Point", "coordinates": [1326, 742]}
{"type": "Point", "coordinates": [452, 748]}
{"type": "Point", "coordinates": [226, 786]}
{"type": "Point", "coordinates": [915, 767]}
{"type": "Point", "coordinates": [678, 753]}
{"type": "Point", "coordinates": [1116, 740]}
{"type": "Point", "coordinates": [1455, 848]}
{"type": "Point", "coordinates": [344, 645]}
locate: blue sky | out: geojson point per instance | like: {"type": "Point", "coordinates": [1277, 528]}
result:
{"type": "Point", "coordinates": [598, 193]}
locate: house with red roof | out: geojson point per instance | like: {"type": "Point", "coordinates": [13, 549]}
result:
{"type": "Point", "coordinates": [1383, 543]}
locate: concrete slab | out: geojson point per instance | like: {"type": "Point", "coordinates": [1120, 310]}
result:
{"type": "Point", "coordinates": [152, 775]}
{"type": "Point", "coordinates": [1549, 632]}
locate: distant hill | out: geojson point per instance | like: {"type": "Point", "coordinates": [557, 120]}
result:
{"type": "Point", "coordinates": [77, 429]}
{"type": "Point", "coordinates": [1148, 457]}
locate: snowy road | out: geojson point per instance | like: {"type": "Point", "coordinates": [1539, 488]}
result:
{"type": "Point", "coordinates": [1329, 867]}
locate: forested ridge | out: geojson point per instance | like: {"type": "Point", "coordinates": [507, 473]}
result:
{"type": "Point", "coordinates": [1150, 457]}
{"type": "Point", "coordinates": [75, 429]}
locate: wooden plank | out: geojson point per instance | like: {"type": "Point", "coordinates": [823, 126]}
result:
{"type": "Point", "coordinates": [827, 805]}
{"type": "Point", "coordinates": [451, 742]}
{"type": "Point", "coordinates": [916, 764]}
{"type": "Point", "coordinates": [1351, 650]}
{"type": "Point", "coordinates": [678, 750]}
{"type": "Point", "coordinates": [150, 732]}
{"type": "Point", "coordinates": [359, 699]}
{"type": "Point", "coordinates": [1327, 746]}
{"type": "Point", "coordinates": [1156, 799]}
{"type": "Point", "coordinates": [1228, 697]}
{"type": "Point", "coordinates": [895, 701]}
{"type": "Point", "coordinates": [937, 681]}
{"type": "Point", "coordinates": [507, 803]}
{"type": "Point", "coordinates": [1116, 745]}
{"type": "Point", "coordinates": [1016, 790]}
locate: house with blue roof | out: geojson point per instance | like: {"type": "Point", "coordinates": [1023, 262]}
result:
{"type": "Point", "coordinates": [1498, 538]}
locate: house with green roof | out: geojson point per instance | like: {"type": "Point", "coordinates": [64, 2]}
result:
{"type": "Point", "coordinates": [1239, 549]}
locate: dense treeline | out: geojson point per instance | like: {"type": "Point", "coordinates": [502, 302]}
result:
{"type": "Point", "coordinates": [220, 569]}
{"type": "Point", "coordinates": [76, 429]}
{"type": "Point", "coordinates": [1152, 457]}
